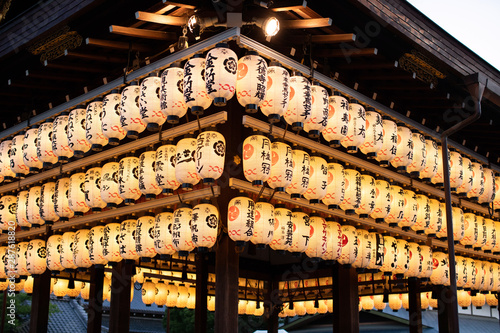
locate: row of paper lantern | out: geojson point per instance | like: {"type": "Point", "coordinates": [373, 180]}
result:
{"type": "Point", "coordinates": [298, 173]}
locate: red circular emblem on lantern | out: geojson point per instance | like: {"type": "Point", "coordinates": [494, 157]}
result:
{"type": "Point", "coordinates": [276, 223]}
{"type": "Point", "coordinates": [345, 240]}
{"type": "Point", "coordinates": [330, 177]}
{"type": "Point", "coordinates": [275, 157]}
{"type": "Point", "coordinates": [269, 82]}
{"type": "Point", "coordinates": [292, 93]}
{"type": "Point", "coordinates": [257, 216]}
{"type": "Point", "coordinates": [233, 213]}
{"type": "Point", "coordinates": [242, 70]}
{"type": "Point", "coordinates": [435, 263]}
{"type": "Point", "coordinates": [247, 151]}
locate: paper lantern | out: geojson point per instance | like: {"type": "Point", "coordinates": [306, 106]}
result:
{"type": "Point", "coordinates": [410, 210]}
{"type": "Point", "coordinates": [438, 178]}
{"type": "Point", "coordinates": [491, 236]}
{"type": "Point", "coordinates": [210, 156]}
{"type": "Point", "coordinates": [30, 157]}
{"type": "Point", "coordinates": [488, 276]}
{"type": "Point", "coordinates": [28, 285]}
{"type": "Point", "coordinates": [283, 229]}
{"type": "Point", "coordinates": [390, 255]}
{"type": "Point", "coordinates": [110, 188]}
{"type": "Point", "coordinates": [130, 115]}
{"type": "Point", "coordinates": [111, 242]}
{"type": "Point", "coordinates": [440, 272]}
{"type": "Point", "coordinates": [378, 302]}
{"type": "Point", "coordinates": [185, 164]}
{"type": "Point", "coordinates": [377, 256]}
{"type": "Point", "coordinates": [374, 134]}
{"type": "Point", "coordinates": [22, 210]}
{"type": "Point", "coordinates": [436, 218]}
{"type": "Point", "coordinates": [426, 261]}
{"type": "Point", "coordinates": [257, 159]}
{"type": "Point", "coordinates": [16, 156]}
{"type": "Point", "coordinates": [33, 206]}
{"type": "Point", "coordinates": [488, 194]}
{"type": "Point", "coordinates": [181, 230]}
{"type": "Point", "coordinates": [423, 217]}
{"type": "Point", "coordinates": [240, 219]}
{"type": "Point", "coordinates": [335, 188]}
{"type": "Point", "coordinates": [61, 288]}
{"type": "Point", "coordinates": [149, 102]}
{"type": "Point", "coordinates": [424, 301]}
{"type": "Point", "coordinates": [395, 302]}
{"type": "Point", "coordinates": [172, 295]}
{"type": "Point", "coordinates": [349, 245]}
{"type": "Point", "coordinates": [128, 180]}
{"type": "Point", "coordinates": [96, 247]}
{"type": "Point", "coordinates": [496, 248]}
{"type": "Point", "coordinates": [163, 233]}
{"type": "Point", "coordinates": [403, 258]}
{"type": "Point", "coordinates": [318, 237]}
{"type": "Point", "coordinates": [194, 87]}
{"type": "Point", "coordinates": [414, 260]}
{"type": "Point", "coordinates": [355, 136]}
{"type": "Point", "coordinates": [468, 179]}
{"type": "Point", "coordinates": [148, 292]}
{"type": "Point", "coordinates": [264, 224]}
{"type": "Point", "coordinates": [204, 225]}
{"type": "Point", "coordinates": [85, 291]}
{"type": "Point", "coordinates": [419, 154]}
{"type": "Point", "coordinates": [478, 300]}
{"type": "Point", "coordinates": [147, 175]}
{"type": "Point", "coordinates": [397, 206]}
{"type": "Point", "coordinates": [92, 188]}
{"type": "Point", "coordinates": [491, 300]}
{"type": "Point", "coordinates": [482, 233]}
{"type": "Point", "coordinates": [20, 268]}
{"type": "Point", "coordinates": [463, 299]}
{"type": "Point", "coordinates": [127, 240]}
{"type": "Point", "coordinates": [281, 173]}
{"type": "Point", "coordinates": [61, 200]}
{"type": "Point", "coordinates": [251, 81]}
{"type": "Point", "coordinates": [53, 253]}
{"type": "Point", "coordinates": [171, 97]}
{"type": "Point", "coordinates": [365, 249]}
{"type": "Point", "coordinates": [75, 291]}
{"type": "Point", "coordinates": [299, 104]}
{"type": "Point", "coordinates": [461, 271]}
{"type": "Point", "coordinates": [456, 169]}
{"type": "Point", "coordinates": [60, 141]}
{"type": "Point", "coordinates": [36, 254]}
{"type": "Point", "coordinates": [81, 249]}
{"type": "Point", "coordinates": [495, 276]}
{"type": "Point", "coordinates": [111, 126]}
{"type": "Point", "coordinates": [471, 228]}
{"type": "Point", "coordinates": [458, 224]}
{"type": "Point", "coordinates": [433, 303]}
{"type": "Point", "coordinates": [220, 73]}
{"type": "Point", "coordinates": [5, 149]}
{"type": "Point", "coordinates": [300, 174]}
{"type": "Point", "coordinates": [8, 210]}
{"type": "Point", "coordinates": [161, 293]}
{"type": "Point", "coordinates": [471, 273]}
{"type": "Point", "coordinates": [367, 303]}
{"type": "Point", "coordinates": [183, 296]}
{"type": "Point", "coordinates": [318, 180]}
{"type": "Point", "coordinates": [319, 111]}
{"type": "Point", "coordinates": [352, 193]}
{"type": "Point", "coordinates": [383, 201]}
{"type": "Point", "coordinates": [93, 125]}
{"type": "Point", "coordinates": [66, 251]}
{"type": "Point", "coordinates": [47, 207]}
{"type": "Point", "coordinates": [191, 302]}
{"type": "Point", "coordinates": [144, 237]}
{"type": "Point", "coordinates": [76, 194]}
{"type": "Point", "coordinates": [44, 144]}
{"type": "Point", "coordinates": [432, 160]}
{"type": "Point", "coordinates": [338, 119]}
{"type": "Point", "coordinates": [165, 168]}
{"type": "Point", "coordinates": [404, 150]}
{"type": "Point", "coordinates": [106, 289]}
{"type": "Point", "coordinates": [301, 231]}
{"type": "Point", "coordinates": [477, 182]}
{"type": "Point", "coordinates": [496, 200]}
{"type": "Point", "coordinates": [368, 194]}
{"type": "Point", "coordinates": [275, 102]}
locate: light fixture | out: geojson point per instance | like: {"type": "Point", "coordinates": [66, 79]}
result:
{"type": "Point", "coordinates": [195, 26]}
{"type": "Point", "coordinates": [270, 26]}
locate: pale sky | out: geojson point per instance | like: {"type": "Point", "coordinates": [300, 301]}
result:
{"type": "Point", "coordinates": [475, 23]}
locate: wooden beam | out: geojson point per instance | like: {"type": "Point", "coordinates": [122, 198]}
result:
{"type": "Point", "coordinates": [333, 39]}
{"type": "Point", "coordinates": [142, 33]}
{"type": "Point", "coordinates": [306, 23]}
{"type": "Point", "coordinates": [345, 299]}
{"type": "Point", "coordinates": [415, 315]}
{"type": "Point", "coordinates": [49, 76]}
{"type": "Point", "coordinates": [75, 68]}
{"type": "Point", "coordinates": [347, 52]}
{"type": "Point", "coordinates": [39, 319]}
{"type": "Point", "coordinates": [161, 19]}
{"type": "Point", "coordinates": [372, 65]}
{"type": "Point", "coordinates": [184, 4]}
{"type": "Point", "coordinates": [94, 319]}
{"type": "Point", "coordinates": [95, 57]}
{"type": "Point", "coordinates": [119, 314]}
{"type": "Point", "coordinates": [112, 44]}
{"type": "Point", "coordinates": [200, 312]}
{"type": "Point", "coordinates": [287, 5]}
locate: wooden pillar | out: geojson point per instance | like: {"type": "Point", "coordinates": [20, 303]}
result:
{"type": "Point", "coordinates": [272, 307]}
{"type": "Point", "coordinates": [200, 315]}
{"type": "Point", "coordinates": [39, 318]}
{"type": "Point", "coordinates": [4, 313]}
{"type": "Point", "coordinates": [345, 299]}
{"type": "Point", "coordinates": [119, 315]}
{"type": "Point", "coordinates": [94, 314]}
{"type": "Point", "coordinates": [447, 301]}
{"type": "Point", "coordinates": [415, 316]}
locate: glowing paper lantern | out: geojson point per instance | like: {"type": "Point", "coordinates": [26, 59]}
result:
{"type": "Point", "coordinates": [33, 206]}
{"type": "Point", "coordinates": [147, 175]}
{"type": "Point", "coordinates": [496, 248]}
{"type": "Point", "coordinates": [440, 272]}
{"type": "Point", "coordinates": [93, 125]}
{"type": "Point", "coordinates": [365, 248]}
{"type": "Point", "coordinates": [130, 115]}
{"type": "Point", "coordinates": [491, 236]}
{"type": "Point", "coordinates": [378, 302]}
{"type": "Point", "coordinates": [16, 156]}
{"type": "Point", "coordinates": [419, 154]}
{"type": "Point", "coordinates": [60, 141]}
{"type": "Point", "coordinates": [461, 271]}
{"type": "Point", "coordinates": [319, 111]}
{"type": "Point", "coordinates": [5, 149]}
{"type": "Point", "coordinates": [471, 228]}
{"type": "Point", "coordinates": [301, 231]}
{"type": "Point", "coordinates": [251, 81]}
{"type": "Point", "coordinates": [194, 88]}
{"type": "Point", "coordinates": [191, 302]}
{"type": "Point", "coordinates": [21, 210]}
{"type": "Point", "coordinates": [300, 174]}
{"type": "Point", "coordinates": [318, 236]}
{"type": "Point", "coordinates": [281, 166]}
{"type": "Point", "coordinates": [257, 159]}
{"type": "Point", "coordinates": [283, 229]}
{"type": "Point", "coordinates": [66, 251]}
{"type": "Point", "coordinates": [352, 194]}
{"type": "Point", "coordinates": [458, 224]}
{"type": "Point", "coordinates": [395, 302]}
{"type": "Point", "coordinates": [377, 256]}
{"type": "Point", "coordinates": [28, 285]}
{"type": "Point", "coordinates": [436, 218]}
{"type": "Point", "coordinates": [367, 303]}
{"type": "Point", "coordinates": [204, 225]}
{"type": "Point", "coordinates": [368, 193]}
{"type": "Point", "coordinates": [144, 237]}
{"type": "Point", "coordinates": [397, 206]}
{"type": "Point", "coordinates": [478, 181]}
{"type": "Point", "coordinates": [335, 188]}
{"type": "Point", "coordinates": [264, 224]}
{"type": "Point", "coordinates": [149, 102]}
{"type": "Point", "coordinates": [470, 265]}
{"type": "Point", "coordinates": [383, 201]}
{"type": "Point", "coordinates": [403, 258]}
{"type": "Point", "coordinates": [20, 267]}
{"type": "Point", "coordinates": [171, 96]}
{"type": "Point", "coordinates": [30, 157]}
{"type": "Point", "coordinates": [299, 104]}
{"type": "Point", "coordinates": [275, 102]}
{"type": "Point", "coordinates": [8, 208]}
{"type": "Point", "coordinates": [185, 164]}
{"type": "Point", "coordinates": [111, 126]}
{"type": "Point", "coordinates": [456, 170]}
{"type": "Point", "coordinates": [181, 230]}
{"type": "Point", "coordinates": [410, 210]}
{"type": "Point", "coordinates": [390, 255]}
{"type": "Point", "coordinates": [172, 295]}
{"type": "Point", "coordinates": [161, 293]}
{"type": "Point", "coordinates": [53, 254]}
{"type": "Point", "coordinates": [163, 233]}
{"type": "Point", "coordinates": [47, 207]}
{"type": "Point", "coordinates": [349, 245]}
{"type": "Point", "coordinates": [128, 180]}
{"type": "Point", "coordinates": [61, 200]}
{"type": "Point", "coordinates": [210, 156]}
{"type": "Point", "coordinates": [240, 219]}
{"type": "Point", "coordinates": [414, 260]}
{"type": "Point", "coordinates": [220, 73]}
{"type": "Point", "coordinates": [374, 134]}
{"type": "Point", "coordinates": [165, 168]}
{"type": "Point", "coordinates": [183, 296]}
{"type": "Point", "coordinates": [488, 194]}
{"type": "Point", "coordinates": [318, 180]}
{"type": "Point", "coordinates": [478, 300]}
{"type": "Point", "coordinates": [35, 257]}
{"type": "Point", "coordinates": [110, 188]}
{"type": "Point", "coordinates": [61, 288]}
{"type": "Point", "coordinates": [81, 249]}
{"type": "Point", "coordinates": [423, 217]}
{"type": "Point", "coordinates": [496, 201]}
{"type": "Point", "coordinates": [85, 291]}
{"type": "Point", "coordinates": [438, 178]}
{"type": "Point", "coordinates": [127, 240]}
{"type": "Point", "coordinates": [96, 247]}
{"type": "Point", "coordinates": [338, 119]}
{"type": "Point", "coordinates": [92, 188]}
{"type": "Point", "coordinates": [482, 233]}
{"type": "Point", "coordinates": [432, 160]}
{"type": "Point", "coordinates": [463, 299]}
{"type": "Point", "coordinates": [404, 150]}
{"type": "Point", "coordinates": [44, 144]}
{"type": "Point", "coordinates": [355, 136]}
{"type": "Point", "coordinates": [491, 300]}
{"type": "Point", "coordinates": [148, 292]}
{"type": "Point", "coordinates": [76, 194]}
{"type": "Point", "coordinates": [111, 242]}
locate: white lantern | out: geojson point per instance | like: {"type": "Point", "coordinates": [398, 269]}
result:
{"type": "Point", "coordinates": [299, 104]}
{"type": "Point", "coordinates": [92, 188]}
{"type": "Point", "coordinates": [36, 255]}
{"type": "Point", "coordinates": [165, 168]}
{"type": "Point", "coordinates": [423, 217]}
{"type": "Point", "coordinates": [410, 210]}
{"type": "Point", "coordinates": [127, 240]}
{"type": "Point", "coordinates": [488, 194]}
{"type": "Point", "coordinates": [403, 258]}
{"type": "Point", "coordinates": [478, 300]}
{"type": "Point", "coordinates": [395, 302]}
{"type": "Point", "coordinates": [61, 200]}
{"type": "Point", "coordinates": [283, 229]}
{"type": "Point", "coordinates": [319, 111]}
{"type": "Point", "coordinates": [438, 178]}
{"type": "Point", "coordinates": [301, 231]}
{"type": "Point", "coordinates": [456, 169]}
{"type": "Point", "coordinates": [147, 175]}
{"type": "Point", "coordinates": [432, 161]}
{"type": "Point", "coordinates": [172, 295]}
{"type": "Point", "coordinates": [66, 251]}
{"type": "Point", "coordinates": [463, 299]}
{"type": "Point", "coordinates": [47, 207]}
{"type": "Point", "coordinates": [81, 249]}
{"type": "Point", "coordinates": [185, 164]}
{"type": "Point", "coordinates": [436, 218]}
{"type": "Point", "coordinates": [440, 272]}
{"type": "Point", "coordinates": [378, 302]}
{"type": "Point", "coordinates": [300, 174]}
{"type": "Point", "coordinates": [53, 255]}
{"type": "Point", "coordinates": [220, 73]}
{"type": "Point", "coordinates": [264, 224]}
{"type": "Point", "coordinates": [365, 248]}
{"type": "Point", "coordinates": [204, 225]}
{"type": "Point", "coordinates": [387, 152]}
{"type": "Point", "coordinates": [93, 125]}
{"type": "Point", "coordinates": [111, 242]}
{"type": "Point", "coordinates": [374, 138]}
{"type": "Point", "coordinates": [482, 233]}
{"type": "Point", "coordinates": [210, 155]}
{"type": "Point", "coordinates": [491, 300]}
{"type": "Point", "coordinates": [128, 180]}
{"type": "Point", "coordinates": [61, 288]}
{"type": "Point", "coordinates": [30, 157]}
{"type": "Point", "coordinates": [144, 237]}
{"type": "Point", "coordinates": [8, 207]}
{"type": "Point", "coordinates": [477, 182]}
{"type": "Point", "coordinates": [404, 150]}
{"type": "Point", "coordinates": [335, 188]}
{"type": "Point", "coordinates": [275, 102]}
{"type": "Point", "coordinates": [33, 206]}
{"type": "Point", "coordinates": [172, 102]}
{"type": "Point", "coordinates": [163, 233]}
{"type": "Point", "coordinates": [496, 248]}
{"type": "Point", "coordinates": [367, 303]}
{"type": "Point", "coordinates": [352, 194]}
{"type": "Point", "coordinates": [318, 180]}
{"type": "Point", "coordinates": [377, 257]}
{"type": "Point", "coordinates": [77, 139]}
{"type": "Point", "coordinates": [349, 245]}
{"type": "Point", "coordinates": [149, 102]}
{"type": "Point", "coordinates": [44, 144]}
{"type": "Point", "coordinates": [161, 293]}
{"type": "Point", "coordinates": [60, 142]}
{"type": "Point", "coordinates": [426, 261]}
{"type": "Point", "coordinates": [85, 291]}
{"type": "Point", "coordinates": [16, 156]}
{"type": "Point", "coordinates": [22, 210]}
{"type": "Point", "coordinates": [397, 206]}
{"type": "Point", "coordinates": [471, 228]}
{"type": "Point", "coordinates": [20, 267]}
{"type": "Point", "coordinates": [257, 159]}
{"type": "Point", "coordinates": [130, 115]}
{"type": "Point", "coordinates": [471, 273]}
{"type": "Point", "coordinates": [281, 166]}
{"type": "Point", "coordinates": [419, 154]}
{"type": "Point", "coordinates": [240, 219]}
{"type": "Point", "coordinates": [490, 234]}
{"type": "Point", "coordinates": [458, 224]}
{"type": "Point", "coordinates": [96, 246]}
{"type": "Point", "coordinates": [110, 187]}
{"type": "Point", "coordinates": [111, 126]}
{"type": "Point", "coordinates": [368, 194]}
{"type": "Point", "coordinates": [383, 201]}
{"type": "Point", "coordinates": [357, 126]}
{"type": "Point", "coordinates": [5, 170]}
{"type": "Point", "coordinates": [496, 201]}
{"type": "Point", "coordinates": [194, 87]}
{"type": "Point", "coordinates": [251, 81]}
{"type": "Point", "coordinates": [461, 271]}
{"type": "Point", "coordinates": [76, 194]}
{"type": "Point", "coordinates": [390, 255]}
{"type": "Point", "coordinates": [318, 237]}
{"type": "Point", "coordinates": [181, 230]}
{"type": "Point", "coordinates": [338, 119]}
{"type": "Point", "coordinates": [414, 260]}
{"type": "Point", "coordinates": [148, 292]}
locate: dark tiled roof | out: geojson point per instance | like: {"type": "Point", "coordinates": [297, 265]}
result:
{"type": "Point", "coordinates": [138, 306]}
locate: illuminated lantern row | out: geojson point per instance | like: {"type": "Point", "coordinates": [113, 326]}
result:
{"type": "Point", "coordinates": [60, 142]}
{"type": "Point", "coordinates": [335, 188]}
{"type": "Point", "coordinates": [16, 156]}
{"type": "Point", "coordinates": [8, 211]}
{"type": "Point", "coordinates": [111, 126]}
{"type": "Point", "coordinates": [165, 169]}
{"type": "Point", "coordinates": [149, 102]}
{"type": "Point", "coordinates": [147, 175]}
{"type": "Point", "coordinates": [172, 103]}
{"type": "Point", "coordinates": [130, 115]}
{"type": "Point", "coordinates": [355, 136]}
{"type": "Point", "coordinates": [93, 125]}
{"type": "Point", "coordinates": [374, 134]}
{"type": "Point", "coordinates": [389, 142]}
{"type": "Point", "coordinates": [30, 157]}
{"type": "Point", "coordinates": [432, 160]}
{"type": "Point", "coordinates": [338, 120]}
{"type": "Point", "coordinates": [275, 102]}
{"type": "Point", "coordinates": [299, 104]}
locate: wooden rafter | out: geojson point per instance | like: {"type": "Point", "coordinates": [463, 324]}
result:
{"type": "Point", "coordinates": [338, 53]}
{"type": "Point", "coordinates": [111, 44]}
{"type": "Point", "coordinates": [75, 68]}
{"type": "Point", "coordinates": [306, 23]}
{"type": "Point", "coordinates": [333, 39]}
{"type": "Point", "coordinates": [161, 19]}
{"type": "Point", "coordinates": [186, 4]}
{"type": "Point", "coordinates": [95, 57]}
{"type": "Point", "coordinates": [283, 6]}
{"type": "Point", "coordinates": [142, 33]}
{"type": "Point", "coordinates": [49, 76]}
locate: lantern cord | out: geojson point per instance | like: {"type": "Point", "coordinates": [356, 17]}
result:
{"type": "Point", "coordinates": [286, 129]}
{"type": "Point", "coordinates": [260, 193]}
{"type": "Point", "coordinates": [271, 128]}
{"type": "Point", "coordinates": [272, 195]}
{"type": "Point", "coordinates": [180, 199]}
{"type": "Point", "coordinates": [160, 133]}
{"type": "Point", "coordinates": [199, 125]}
{"type": "Point", "coordinates": [128, 62]}
{"type": "Point", "coordinates": [319, 290]}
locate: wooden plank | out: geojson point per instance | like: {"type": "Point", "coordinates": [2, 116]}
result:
{"type": "Point", "coordinates": [142, 33]}
{"type": "Point", "coordinates": [75, 68]}
{"type": "Point", "coordinates": [94, 57]}
{"type": "Point", "coordinates": [287, 5]}
{"type": "Point", "coordinates": [49, 76]}
{"type": "Point", "coordinates": [333, 39]}
{"type": "Point", "coordinates": [161, 19]}
{"type": "Point", "coordinates": [94, 320]}
{"type": "Point", "coordinates": [348, 52]}
{"type": "Point", "coordinates": [112, 44]}
{"type": "Point", "coordinates": [345, 299]}
{"type": "Point", "coordinates": [306, 23]}
{"type": "Point", "coordinates": [183, 4]}
{"type": "Point", "coordinates": [39, 319]}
